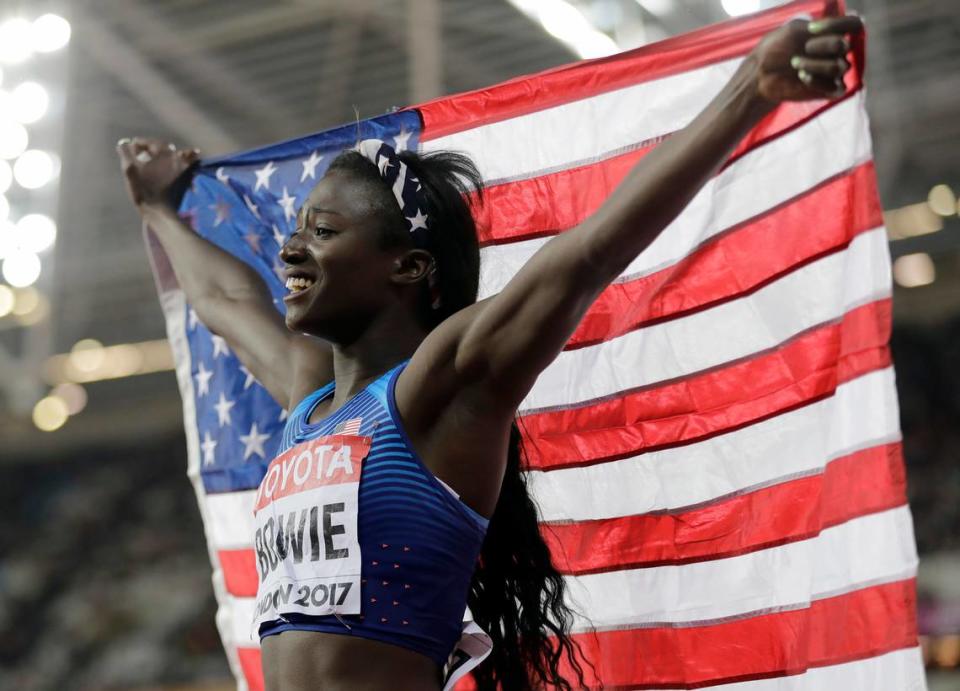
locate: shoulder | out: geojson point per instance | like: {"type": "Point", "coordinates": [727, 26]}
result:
{"type": "Point", "coordinates": [456, 423]}
{"type": "Point", "coordinates": [434, 377]}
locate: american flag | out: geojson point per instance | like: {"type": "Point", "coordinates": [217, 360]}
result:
{"type": "Point", "coordinates": [716, 453]}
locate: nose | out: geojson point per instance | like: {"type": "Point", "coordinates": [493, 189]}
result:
{"type": "Point", "coordinates": [293, 250]}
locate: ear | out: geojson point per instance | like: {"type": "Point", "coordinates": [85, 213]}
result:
{"type": "Point", "coordinates": [412, 266]}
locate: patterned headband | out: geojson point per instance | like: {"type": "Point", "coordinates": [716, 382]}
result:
{"type": "Point", "coordinates": [402, 182]}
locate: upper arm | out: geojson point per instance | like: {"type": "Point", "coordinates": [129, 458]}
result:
{"type": "Point", "coordinates": [288, 365]}
{"type": "Point", "coordinates": [522, 329]}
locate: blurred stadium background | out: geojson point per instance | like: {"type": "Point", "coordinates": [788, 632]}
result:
{"type": "Point", "coordinates": [104, 575]}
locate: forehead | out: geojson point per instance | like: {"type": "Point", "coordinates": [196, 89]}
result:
{"type": "Point", "coordinates": [342, 194]}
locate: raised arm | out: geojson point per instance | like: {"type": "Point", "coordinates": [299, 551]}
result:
{"type": "Point", "coordinates": [229, 297]}
{"type": "Point", "coordinates": [500, 348]}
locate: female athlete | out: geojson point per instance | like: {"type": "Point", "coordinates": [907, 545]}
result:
{"type": "Point", "coordinates": [395, 375]}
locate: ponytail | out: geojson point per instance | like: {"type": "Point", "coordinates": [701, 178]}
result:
{"type": "Point", "coordinates": [516, 595]}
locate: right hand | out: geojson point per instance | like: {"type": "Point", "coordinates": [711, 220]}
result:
{"type": "Point", "coordinates": [150, 167]}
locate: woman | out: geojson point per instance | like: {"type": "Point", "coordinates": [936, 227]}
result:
{"type": "Point", "coordinates": [395, 375]}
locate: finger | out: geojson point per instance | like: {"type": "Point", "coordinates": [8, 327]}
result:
{"type": "Point", "coordinates": [818, 67]}
{"type": "Point", "coordinates": [128, 164]}
{"type": "Point", "coordinates": [849, 24]}
{"type": "Point", "coordinates": [827, 46]}
{"type": "Point", "coordinates": [140, 145]}
{"type": "Point", "coordinates": [125, 150]}
{"type": "Point", "coordinates": [822, 86]}
{"type": "Point", "coordinates": [188, 156]}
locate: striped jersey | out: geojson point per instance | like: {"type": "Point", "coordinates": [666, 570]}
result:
{"type": "Point", "coordinates": [356, 536]}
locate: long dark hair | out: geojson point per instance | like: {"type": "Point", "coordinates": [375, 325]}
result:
{"type": "Point", "coordinates": [516, 594]}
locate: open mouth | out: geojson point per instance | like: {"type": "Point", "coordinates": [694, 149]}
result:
{"type": "Point", "coordinates": [297, 285]}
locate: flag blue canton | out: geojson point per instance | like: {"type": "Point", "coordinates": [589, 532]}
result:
{"type": "Point", "coordinates": [247, 204]}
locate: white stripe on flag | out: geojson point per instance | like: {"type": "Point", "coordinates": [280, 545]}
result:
{"type": "Point", "coordinates": [862, 413]}
{"type": "Point", "coordinates": [817, 293]}
{"type": "Point", "coordinates": [230, 524]}
{"type": "Point", "coordinates": [866, 551]}
{"type": "Point", "coordinates": [780, 170]}
{"type": "Point", "coordinates": [513, 148]}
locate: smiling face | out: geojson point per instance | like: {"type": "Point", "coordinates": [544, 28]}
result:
{"type": "Point", "coordinates": [340, 270]}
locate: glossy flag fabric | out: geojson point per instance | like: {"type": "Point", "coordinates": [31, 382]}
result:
{"type": "Point", "coordinates": [716, 453]}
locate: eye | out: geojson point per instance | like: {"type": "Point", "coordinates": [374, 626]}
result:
{"type": "Point", "coordinates": [322, 231]}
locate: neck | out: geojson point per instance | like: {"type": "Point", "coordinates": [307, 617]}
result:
{"type": "Point", "coordinates": [388, 340]}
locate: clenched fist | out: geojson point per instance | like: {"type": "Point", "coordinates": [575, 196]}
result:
{"type": "Point", "coordinates": [150, 167]}
{"type": "Point", "coordinates": [805, 60]}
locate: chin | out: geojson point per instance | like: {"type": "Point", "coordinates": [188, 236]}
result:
{"type": "Point", "coordinates": [297, 321]}
{"type": "Point", "coordinates": [306, 323]}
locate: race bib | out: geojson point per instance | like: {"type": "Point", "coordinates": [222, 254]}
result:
{"type": "Point", "coordinates": [306, 542]}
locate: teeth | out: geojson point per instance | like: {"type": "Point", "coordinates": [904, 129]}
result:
{"type": "Point", "coordinates": [297, 283]}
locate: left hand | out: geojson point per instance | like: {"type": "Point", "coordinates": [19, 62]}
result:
{"type": "Point", "coordinates": [805, 60]}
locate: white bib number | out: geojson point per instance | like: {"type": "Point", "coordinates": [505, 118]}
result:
{"type": "Point", "coordinates": [306, 543]}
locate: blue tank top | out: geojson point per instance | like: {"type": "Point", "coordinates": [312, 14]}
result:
{"type": "Point", "coordinates": [419, 544]}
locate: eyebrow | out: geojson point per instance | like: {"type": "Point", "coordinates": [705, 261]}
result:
{"type": "Point", "coordinates": [321, 210]}
{"type": "Point", "coordinates": [306, 210]}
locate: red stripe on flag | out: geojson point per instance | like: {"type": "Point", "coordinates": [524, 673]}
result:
{"type": "Point", "coordinates": [252, 668]}
{"type": "Point", "coordinates": [853, 626]}
{"type": "Point", "coordinates": [861, 483]}
{"type": "Point", "coordinates": [531, 93]}
{"type": "Point", "coordinates": [239, 571]}
{"type": "Point", "coordinates": [742, 260]}
{"type": "Point", "coordinates": [800, 371]}
{"type": "Point", "coordinates": [547, 204]}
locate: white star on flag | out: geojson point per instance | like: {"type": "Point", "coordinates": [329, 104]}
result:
{"type": "Point", "coordinates": [401, 139]}
{"type": "Point", "coordinates": [203, 380]}
{"type": "Point", "coordinates": [310, 167]}
{"type": "Point", "coordinates": [192, 319]}
{"type": "Point", "coordinates": [418, 221]}
{"type": "Point", "coordinates": [223, 212]}
{"type": "Point", "coordinates": [250, 205]}
{"type": "Point", "coordinates": [287, 202]}
{"type": "Point", "coordinates": [223, 407]}
{"type": "Point", "coordinates": [208, 447]}
{"type": "Point", "coordinates": [253, 442]}
{"type": "Point", "coordinates": [250, 378]}
{"type": "Point", "coordinates": [263, 176]}
{"type": "Point", "coordinates": [222, 176]}
{"type": "Point", "coordinates": [219, 346]}
{"type": "Point", "coordinates": [283, 415]}
{"type": "Point", "coordinates": [279, 237]}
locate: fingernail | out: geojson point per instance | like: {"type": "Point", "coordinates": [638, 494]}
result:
{"type": "Point", "coordinates": [815, 27]}
{"type": "Point", "coordinates": [795, 62]}
{"type": "Point", "coordinates": [124, 140]}
{"type": "Point", "coordinates": [805, 76]}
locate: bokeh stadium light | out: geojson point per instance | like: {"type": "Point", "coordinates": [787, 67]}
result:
{"type": "Point", "coordinates": [26, 227]}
